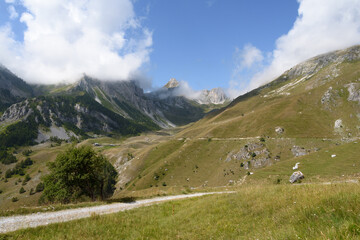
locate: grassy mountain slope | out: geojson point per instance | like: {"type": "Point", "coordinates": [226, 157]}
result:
{"type": "Point", "coordinates": [316, 104]}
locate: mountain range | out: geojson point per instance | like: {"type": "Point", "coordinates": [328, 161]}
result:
{"type": "Point", "coordinates": [91, 107]}
{"type": "Point", "coordinates": [308, 115]}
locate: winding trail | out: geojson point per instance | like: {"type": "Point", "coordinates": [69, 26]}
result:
{"type": "Point", "coordinates": [13, 223]}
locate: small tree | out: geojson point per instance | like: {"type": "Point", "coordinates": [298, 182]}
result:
{"type": "Point", "coordinates": [79, 172]}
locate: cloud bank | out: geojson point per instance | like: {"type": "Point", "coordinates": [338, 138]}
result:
{"type": "Point", "coordinates": [321, 26]}
{"type": "Point", "coordinates": [66, 38]}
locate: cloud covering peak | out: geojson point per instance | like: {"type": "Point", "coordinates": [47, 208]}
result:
{"type": "Point", "coordinates": [66, 38]}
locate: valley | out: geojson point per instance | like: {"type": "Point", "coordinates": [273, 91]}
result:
{"type": "Point", "coordinates": [307, 120]}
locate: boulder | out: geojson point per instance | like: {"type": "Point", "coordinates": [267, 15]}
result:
{"type": "Point", "coordinates": [296, 176]}
{"type": "Point", "coordinates": [279, 130]}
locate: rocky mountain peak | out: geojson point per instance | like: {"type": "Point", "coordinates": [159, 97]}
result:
{"type": "Point", "coordinates": [213, 96]}
{"type": "Point", "coordinates": [173, 83]}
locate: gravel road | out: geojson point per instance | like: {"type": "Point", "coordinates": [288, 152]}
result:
{"type": "Point", "coordinates": [13, 223]}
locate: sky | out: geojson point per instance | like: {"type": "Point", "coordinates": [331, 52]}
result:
{"type": "Point", "coordinates": [234, 44]}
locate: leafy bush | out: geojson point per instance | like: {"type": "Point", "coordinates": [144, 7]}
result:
{"type": "Point", "coordinates": [32, 191]}
{"type": "Point", "coordinates": [27, 152]}
{"type": "Point", "coordinates": [6, 157]}
{"type": "Point", "coordinates": [14, 199]}
{"type": "Point", "coordinates": [56, 140]}
{"type": "Point", "coordinates": [76, 173]}
{"type": "Point", "coordinates": [19, 168]}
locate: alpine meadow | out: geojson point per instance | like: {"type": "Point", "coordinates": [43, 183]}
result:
{"type": "Point", "coordinates": [255, 136]}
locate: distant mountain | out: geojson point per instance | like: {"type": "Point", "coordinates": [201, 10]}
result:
{"type": "Point", "coordinates": [12, 89]}
{"type": "Point", "coordinates": [173, 83]}
{"type": "Point", "coordinates": [88, 107]}
{"type": "Point", "coordinates": [213, 96]}
{"type": "Point", "coordinates": [216, 96]}
{"type": "Point", "coordinates": [129, 100]}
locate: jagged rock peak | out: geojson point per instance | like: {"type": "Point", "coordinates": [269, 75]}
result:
{"type": "Point", "coordinates": [173, 83]}
{"type": "Point", "coordinates": [213, 96]}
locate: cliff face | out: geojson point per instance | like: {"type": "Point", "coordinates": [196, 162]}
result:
{"type": "Point", "coordinates": [213, 96]}
{"type": "Point", "coordinates": [12, 89]}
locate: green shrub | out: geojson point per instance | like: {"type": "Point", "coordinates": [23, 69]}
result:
{"type": "Point", "coordinates": [6, 157]}
{"type": "Point", "coordinates": [32, 191]}
{"type": "Point", "coordinates": [14, 199]}
{"type": "Point", "coordinates": [26, 179]}
{"type": "Point", "coordinates": [27, 152]}
{"type": "Point", "coordinates": [77, 173]}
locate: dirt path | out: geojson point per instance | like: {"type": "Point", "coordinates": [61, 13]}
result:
{"type": "Point", "coordinates": [9, 224]}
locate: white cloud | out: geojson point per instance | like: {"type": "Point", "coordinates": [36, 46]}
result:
{"type": "Point", "coordinates": [183, 90]}
{"type": "Point", "coordinates": [321, 26]}
{"type": "Point", "coordinates": [10, 1]}
{"type": "Point", "coordinates": [210, 3]}
{"type": "Point", "coordinates": [247, 57]}
{"type": "Point", "coordinates": [13, 13]}
{"type": "Point", "coordinates": [66, 38]}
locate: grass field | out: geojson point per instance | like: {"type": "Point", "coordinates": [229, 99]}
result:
{"type": "Point", "coordinates": [255, 212]}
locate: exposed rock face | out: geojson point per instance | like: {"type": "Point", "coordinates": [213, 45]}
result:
{"type": "Point", "coordinates": [129, 100]}
{"type": "Point", "coordinates": [354, 92]}
{"type": "Point", "coordinates": [252, 155]}
{"type": "Point", "coordinates": [315, 64]}
{"type": "Point", "coordinates": [17, 112]}
{"type": "Point", "coordinates": [214, 96]}
{"type": "Point", "coordinates": [327, 96]}
{"type": "Point", "coordinates": [173, 83]}
{"type": "Point", "coordinates": [296, 176]}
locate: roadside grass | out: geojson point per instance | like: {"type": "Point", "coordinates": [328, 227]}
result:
{"type": "Point", "coordinates": [47, 208]}
{"type": "Point", "coordinates": [254, 212]}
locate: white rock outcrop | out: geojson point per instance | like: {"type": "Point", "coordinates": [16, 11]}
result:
{"type": "Point", "coordinates": [296, 176]}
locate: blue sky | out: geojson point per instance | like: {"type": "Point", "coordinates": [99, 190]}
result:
{"type": "Point", "coordinates": [195, 41]}
{"type": "Point", "coordinates": [234, 44]}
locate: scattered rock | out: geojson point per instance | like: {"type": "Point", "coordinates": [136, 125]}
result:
{"type": "Point", "coordinates": [296, 176]}
{"type": "Point", "coordinates": [298, 151]}
{"type": "Point", "coordinates": [327, 96]}
{"type": "Point", "coordinates": [338, 124]}
{"type": "Point", "coordinates": [279, 130]}
{"type": "Point", "coordinates": [296, 166]}
{"type": "Point", "coordinates": [334, 155]}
